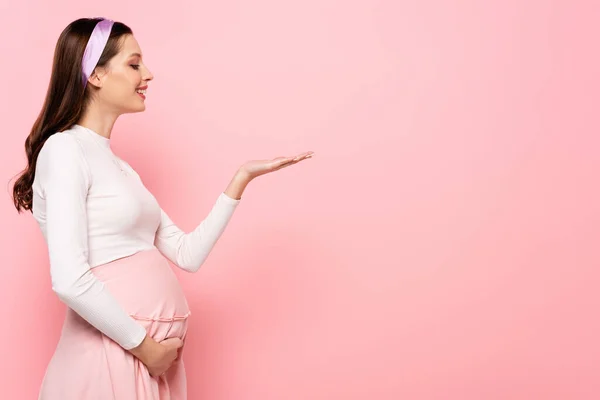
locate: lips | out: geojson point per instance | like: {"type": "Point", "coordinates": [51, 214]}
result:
{"type": "Point", "coordinates": [142, 91]}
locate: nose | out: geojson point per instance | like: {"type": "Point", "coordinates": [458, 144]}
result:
{"type": "Point", "coordinates": [148, 76]}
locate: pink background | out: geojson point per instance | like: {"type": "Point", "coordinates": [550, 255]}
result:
{"type": "Point", "coordinates": [441, 244]}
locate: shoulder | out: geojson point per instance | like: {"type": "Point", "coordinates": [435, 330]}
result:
{"type": "Point", "coordinates": [62, 153]}
{"type": "Point", "coordinates": [62, 144]}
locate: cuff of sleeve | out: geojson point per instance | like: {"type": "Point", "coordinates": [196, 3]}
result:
{"type": "Point", "coordinates": [136, 340]}
{"type": "Point", "coordinates": [229, 200]}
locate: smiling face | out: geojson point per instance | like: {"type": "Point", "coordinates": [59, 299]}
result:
{"type": "Point", "coordinates": [117, 86]}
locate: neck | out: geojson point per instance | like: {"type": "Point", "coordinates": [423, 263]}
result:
{"type": "Point", "coordinates": [100, 121]}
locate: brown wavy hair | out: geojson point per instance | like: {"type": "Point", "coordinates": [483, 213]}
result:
{"type": "Point", "coordinates": [66, 97]}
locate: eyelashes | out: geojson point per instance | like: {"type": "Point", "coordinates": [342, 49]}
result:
{"type": "Point", "coordinates": [135, 66]}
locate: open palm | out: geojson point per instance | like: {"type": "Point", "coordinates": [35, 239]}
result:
{"type": "Point", "coordinates": [256, 168]}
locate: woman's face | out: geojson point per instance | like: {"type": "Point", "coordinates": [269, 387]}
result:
{"type": "Point", "coordinates": [124, 77]}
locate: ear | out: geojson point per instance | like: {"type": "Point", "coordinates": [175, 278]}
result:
{"type": "Point", "coordinates": [97, 77]}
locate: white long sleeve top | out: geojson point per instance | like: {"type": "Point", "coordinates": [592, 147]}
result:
{"type": "Point", "coordinates": [92, 208]}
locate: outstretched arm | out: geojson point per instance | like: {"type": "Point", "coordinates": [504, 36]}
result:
{"type": "Point", "coordinates": [189, 250]}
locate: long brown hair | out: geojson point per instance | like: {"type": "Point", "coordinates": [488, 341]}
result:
{"type": "Point", "coordinates": [66, 97]}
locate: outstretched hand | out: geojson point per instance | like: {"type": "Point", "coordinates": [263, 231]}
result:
{"type": "Point", "coordinates": [256, 168]}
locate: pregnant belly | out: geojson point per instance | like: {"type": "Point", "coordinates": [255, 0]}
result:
{"type": "Point", "coordinates": [147, 288]}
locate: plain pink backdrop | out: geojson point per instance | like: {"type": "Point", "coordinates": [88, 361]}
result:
{"type": "Point", "coordinates": [442, 243]}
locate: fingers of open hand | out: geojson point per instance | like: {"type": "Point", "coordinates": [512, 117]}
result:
{"type": "Point", "coordinates": [287, 161]}
{"type": "Point", "coordinates": [303, 156]}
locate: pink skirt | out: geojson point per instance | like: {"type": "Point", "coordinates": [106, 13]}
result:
{"type": "Point", "coordinates": [87, 365]}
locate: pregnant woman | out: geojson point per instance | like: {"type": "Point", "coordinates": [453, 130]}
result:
{"type": "Point", "coordinates": [108, 240]}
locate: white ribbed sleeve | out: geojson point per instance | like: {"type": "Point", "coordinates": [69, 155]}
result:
{"type": "Point", "coordinates": [63, 179]}
{"type": "Point", "coordinates": [189, 250]}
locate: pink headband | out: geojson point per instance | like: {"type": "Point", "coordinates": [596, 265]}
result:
{"type": "Point", "coordinates": [95, 47]}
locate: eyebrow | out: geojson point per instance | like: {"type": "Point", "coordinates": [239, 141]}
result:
{"type": "Point", "coordinates": [135, 54]}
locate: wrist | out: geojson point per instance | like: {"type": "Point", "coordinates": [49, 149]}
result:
{"type": "Point", "coordinates": [238, 184]}
{"type": "Point", "coordinates": [242, 176]}
{"type": "Point", "coordinates": [145, 350]}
